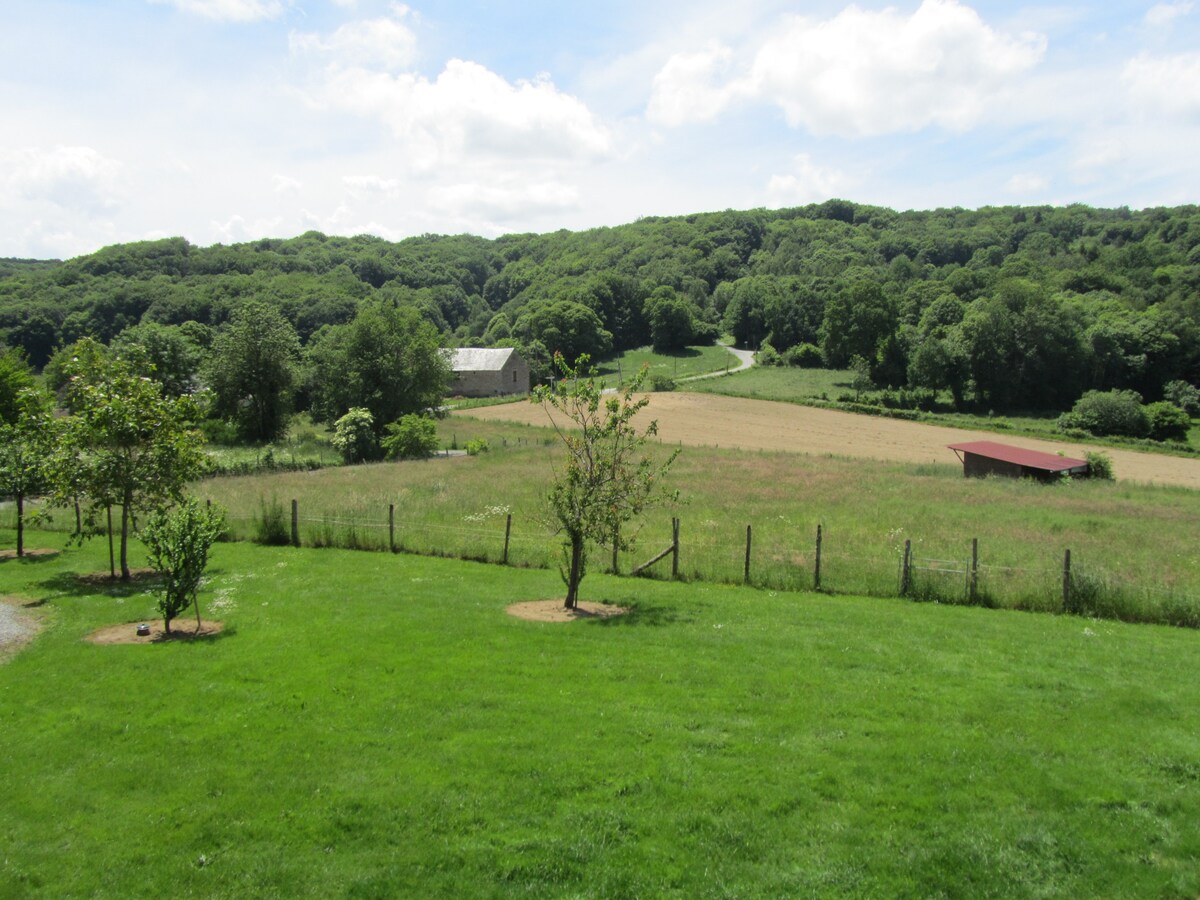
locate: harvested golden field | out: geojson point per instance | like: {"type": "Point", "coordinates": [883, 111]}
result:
{"type": "Point", "coordinates": [715, 421]}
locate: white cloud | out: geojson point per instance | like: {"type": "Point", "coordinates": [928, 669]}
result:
{"type": "Point", "coordinates": [1162, 14]}
{"type": "Point", "coordinates": [505, 203]}
{"type": "Point", "coordinates": [688, 87]}
{"type": "Point", "coordinates": [237, 229]}
{"type": "Point", "coordinates": [807, 183]}
{"type": "Point", "coordinates": [1025, 183]}
{"type": "Point", "coordinates": [74, 178]}
{"type": "Point", "coordinates": [384, 43]}
{"type": "Point", "coordinates": [229, 10]}
{"type": "Point", "coordinates": [1171, 84]}
{"type": "Point", "coordinates": [470, 112]}
{"type": "Point", "coordinates": [862, 72]}
{"type": "Point", "coordinates": [285, 185]}
{"type": "Point", "coordinates": [365, 185]}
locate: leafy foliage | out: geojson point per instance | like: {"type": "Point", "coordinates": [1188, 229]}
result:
{"type": "Point", "coordinates": [178, 542]}
{"type": "Point", "coordinates": [606, 479]}
{"type": "Point", "coordinates": [354, 435]}
{"type": "Point", "coordinates": [411, 437]}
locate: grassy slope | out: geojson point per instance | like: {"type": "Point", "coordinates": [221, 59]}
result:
{"type": "Point", "coordinates": [681, 364]}
{"type": "Point", "coordinates": [376, 726]}
{"type": "Point", "coordinates": [1137, 538]}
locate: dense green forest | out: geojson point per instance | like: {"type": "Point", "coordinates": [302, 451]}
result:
{"type": "Point", "coordinates": [999, 308]}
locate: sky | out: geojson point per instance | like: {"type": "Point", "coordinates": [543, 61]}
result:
{"type": "Point", "coordinates": [231, 120]}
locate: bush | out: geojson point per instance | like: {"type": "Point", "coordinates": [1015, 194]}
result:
{"type": "Point", "coordinates": [1100, 466]}
{"type": "Point", "coordinates": [1167, 422]}
{"type": "Point", "coordinates": [662, 383]}
{"type": "Point", "coordinates": [477, 446]}
{"type": "Point", "coordinates": [410, 437]}
{"type": "Point", "coordinates": [1183, 395]}
{"type": "Point", "coordinates": [804, 356]}
{"type": "Point", "coordinates": [1108, 412]}
{"type": "Point", "coordinates": [354, 435]}
{"type": "Point", "coordinates": [178, 543]}
{"type": "Point", "coordinates": [768, 355]}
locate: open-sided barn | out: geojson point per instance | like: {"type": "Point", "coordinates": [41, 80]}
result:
{"type": "Point", "coordinates": [980, 458]}
{"type": "Point", "coordinates": [488, 372]}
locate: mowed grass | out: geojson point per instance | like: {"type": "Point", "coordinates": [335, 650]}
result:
{"type": "Point", "coordinates": [679, 364]}
{"type": "Point", "coordinates": [1133, 546]}
{"type": "Point", "coordinates": [374, 726]}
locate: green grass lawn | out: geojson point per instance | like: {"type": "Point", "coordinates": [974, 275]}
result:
{"type": "Point", "coordinates": [375, 726]}
{"type": "Point", "coordinates": [677, 365]}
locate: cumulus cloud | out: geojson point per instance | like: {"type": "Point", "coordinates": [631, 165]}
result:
{"type": "Point", "coordinates": [860, 73]}
{"type": "Point", "coordinates": [470, 111]}
{"type": "Point", "coordinates": [366, 185]}
{"type": "Point", "coordinates": [1169, 84]}
{"type": "Point", "coordinates": [689, 87]}
{"type": "Point", "coordinates": [74, 178]}
{"type": "Point", "coordinates": [285, 184]}
{"type": "Point", "coordinates": [229, 10]}
{"type": "Point", "coordinates": [1162, 14]}
{"type": "Point", "coordinates": [386, 43]}
{"type": "Point", "coordinates": [806, 183]}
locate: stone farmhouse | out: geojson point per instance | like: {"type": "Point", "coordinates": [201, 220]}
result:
{"type": "Point", "coordinates": [488, 372]}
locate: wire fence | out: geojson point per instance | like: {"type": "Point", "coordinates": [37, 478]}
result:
{"type": "Point", "coordinates": [721, 552]}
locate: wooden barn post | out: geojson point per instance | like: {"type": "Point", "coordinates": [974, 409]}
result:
{"type": "Point", "coordinates": [507, 535]}
{"type": "Point", "coordinates": [973, 584]}
{"type": "Point", "coordinates": [392, 527]}
{"type": "Point", "coordinates": [295, 523]}
{"type": "Point", "coordinates": [904, 566]}
{"type": "Point", "coordinates": [1067, 581]}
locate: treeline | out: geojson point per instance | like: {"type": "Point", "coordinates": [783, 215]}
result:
{"type": "Point", "coordinates": [1001, 308]}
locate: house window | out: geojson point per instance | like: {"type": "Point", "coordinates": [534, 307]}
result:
{"type": "Point", "coordinates": [514, 376]}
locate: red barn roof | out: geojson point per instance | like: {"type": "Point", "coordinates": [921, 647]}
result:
{"type": "Point", "coordinates": [1031, 459]}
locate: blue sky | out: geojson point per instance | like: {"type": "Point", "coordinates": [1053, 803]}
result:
{"type": "Point", "coordinates": [230, 120]}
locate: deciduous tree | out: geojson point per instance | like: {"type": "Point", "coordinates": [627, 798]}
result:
{"type": "Point", "coordinates": [606, 478]}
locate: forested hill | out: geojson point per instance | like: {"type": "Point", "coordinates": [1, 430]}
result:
{"type": "Point", "coordinates": [1006, 306]}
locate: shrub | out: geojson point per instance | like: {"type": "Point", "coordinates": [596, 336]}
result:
{"type": "Point", "coordinates": [768, 355]}
{"type": "Point", "coordinates": [1108, 412]}
{"type": "Point", "coordinates": [354, 435]}
{"type": "Point", "coordinates": [178, 543]}
{"type": "Point", "coordinates": [804, 356]}
{"type": "Point", "coordinates": [1100, 466]}
{"type": "Point", "coordinates": [662, 383]}
{"type": "Point", "coordinates": [410, 437]}
{"type": "Point", "coordinates": [1183, 395]}
{"type": "Point", "coordinates": [477, 446]}
{"type": "Point", "coordinates": [1167, 422]}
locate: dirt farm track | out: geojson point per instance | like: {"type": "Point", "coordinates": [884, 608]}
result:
{"type": "Point", "coordinates": [710, 420]}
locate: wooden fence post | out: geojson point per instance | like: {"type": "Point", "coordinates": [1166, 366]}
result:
{"type": "Point", "coordinates": [392, 527]}
{"type": "Point", "coordinates": [817, 567]}
{"type": "Point", "coordinates": [1067, 581]}
{"type": "Point", "coordinates": [904, 566]}
{"type": "Point", "coordinates": [746, 569]}
{"type": "Point", "coordinates": [973, 584]}
{"type": "Point", "coordinates": [295, 523]}
{"type": "Point", "coordinates": [507, 535]}
{"type": "Point", "coordinates": [674, 548]}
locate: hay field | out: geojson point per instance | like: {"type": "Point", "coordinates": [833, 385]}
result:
{"type": "Point", "coordinates": [708, 420]}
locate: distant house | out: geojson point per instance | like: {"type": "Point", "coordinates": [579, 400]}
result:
{"type": "Point", "coordinates": [488, 372]}
{"type": "Point", "coordinates": [980, 458]}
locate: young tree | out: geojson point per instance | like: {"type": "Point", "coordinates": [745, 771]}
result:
{"type": "Point", "coordinates": [606, 478]}
{"type": "Point", "coordinates": [24, 447]}
{"type": "Point", "coordinates": [411, 437]}
{"type": "Point", "coordinates": [178, 542]}
{"type": "Point", "coordinates": [354, 435]}
{"type": "Point", "coordinates": [130, 444]}
{"type": "Point", "coordinates": [253, 370]}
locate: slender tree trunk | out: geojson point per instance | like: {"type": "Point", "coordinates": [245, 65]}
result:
{"type": "Point", "coordinates": [125, 501]}
{"type": "Point", "coordinates": [78, 519]}
{"type": "Point", "coordinates": [196, 603]}
{"type": "Point", "coordinates": [20, 523]}
{"type": "Point", "coordinates": [576, 574]}
{"type": "Point", "coordinates": [112, 562]}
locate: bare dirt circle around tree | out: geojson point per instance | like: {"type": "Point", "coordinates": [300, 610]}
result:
{"type": "Point", "coordinates": [554, 611]}
{"type": "Point", "coordinates": [181, 630]}
{"type": "Point", "coordinates": [35, 552]}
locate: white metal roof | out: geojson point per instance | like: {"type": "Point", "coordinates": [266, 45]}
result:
{"type": "Point", "coordinates": [480, 359]}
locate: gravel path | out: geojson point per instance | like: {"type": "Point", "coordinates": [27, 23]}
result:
{"type": "Point", "coordinates": [15, 628]}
